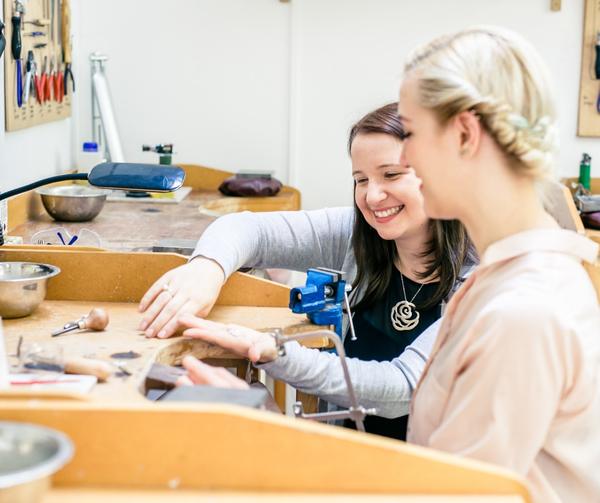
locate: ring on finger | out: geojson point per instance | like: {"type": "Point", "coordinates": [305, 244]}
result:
{"type": "Point", "coordinates": [167, 288]}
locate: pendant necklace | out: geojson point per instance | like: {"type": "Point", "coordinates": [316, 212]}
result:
{"type": "Point", "coordinates": [404, 314]}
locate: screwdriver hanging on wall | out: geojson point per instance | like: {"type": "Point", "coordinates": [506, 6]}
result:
{"type": "Point", "coordinates": [16, 54]}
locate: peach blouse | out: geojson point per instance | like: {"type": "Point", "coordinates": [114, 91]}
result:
{"type": "Point", "coordinates": [514, 376]}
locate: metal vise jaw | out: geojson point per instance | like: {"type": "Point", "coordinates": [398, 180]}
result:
{"type": "Point", "coordinates": [322, 298]}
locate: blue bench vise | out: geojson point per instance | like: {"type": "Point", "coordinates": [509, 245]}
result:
{"type": "Point", "coordinates": [322, 298]}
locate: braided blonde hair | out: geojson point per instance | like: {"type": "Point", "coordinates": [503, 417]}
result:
{"type": "Point", "coordinates": [501, 78]}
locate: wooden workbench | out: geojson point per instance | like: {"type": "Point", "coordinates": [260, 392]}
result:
{"type": "Point", "coordinates": [116, 281]}
{"type": "Point", "coordinates": [128, 448]}
{"type": "Point", "coordinates": [138, 226]}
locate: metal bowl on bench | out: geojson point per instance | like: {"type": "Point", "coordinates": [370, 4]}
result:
{"type": "Point", "coordinates": [29, 456]}
{"type": "Point", "coordinates": [73, 203]}
{"type": "Point", "coordinates": [23, 287]}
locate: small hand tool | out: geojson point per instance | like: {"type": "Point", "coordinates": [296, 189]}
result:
{"type": "Point", "coordinates": [73, 365]}
{"type": "Point", "coordinates": [51, 81]}
{"type": "Point", "coordinates": [49, 357]}
{"type": "Point", "coordinates": [34, 34]}
{"type": "Point", "coordinates": [65, 29]}
{"type": "Point", "coordinates": [44, 80]}
{"type": "Point", "coordinates": [38, 22]}
{"type": "Point", "coordinates": [71, 241]}
{"type": "Point", "coordinates": [41, 45]}
{"type": "Point", "coordinates": [88, 366]}
{"type": "Point", "coordinates": [52, 17]}
{"type": "Point", "coordinates": [96, 319]}
{"type": "Point", "coordinates": [597, 68]}
{"type": "Point", "coordinates": [16, 54]}
{"type": "Point", "coordinates": [30, 72]}
{"type": "Point", "coordinates": [59, 83]}
{"type": "Point", "coordinates": [122, 366]}
{"type": "Point", "coordinates": [20, 10]}
{"type": "Point", "coordinates": [37, 83]}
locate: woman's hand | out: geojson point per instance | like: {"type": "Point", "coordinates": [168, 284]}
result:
{"type": "Point", "coordinates": [192, 288]}
{"type": "Point", "coordinates": [245, 342]}
{"type": "Point", "coordinates": [201, 373]}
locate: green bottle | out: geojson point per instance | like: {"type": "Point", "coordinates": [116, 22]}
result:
{"type": "Point", "coordinates": [584, 171]}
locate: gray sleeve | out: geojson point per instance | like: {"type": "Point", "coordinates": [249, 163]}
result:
{"type": "Point", "coordinates": [387, 386]}
{"type": "Point", "coordinates": [293, 240]}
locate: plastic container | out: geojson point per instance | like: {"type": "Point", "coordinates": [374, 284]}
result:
{"type": "Point", "coordinates": [89, 157]}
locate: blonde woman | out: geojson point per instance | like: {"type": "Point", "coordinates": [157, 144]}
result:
{"type": "Point", "coordinates": [514, 374]}
{"type": "Point", "coordinates": [513, 377]}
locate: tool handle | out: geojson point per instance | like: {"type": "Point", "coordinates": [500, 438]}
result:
{"type": "Point", "coordinates": [87, 366]}
{"type": "Point", "coordinates": [27, 87]}
{"type": "Point", "coordinates": [37, 82]}
{"type": "Point", "coordinates": [59, 91]}
{"type": "Point", "coordinates": [15, 44]}
{"type": "Point", "coordinates": [97, 319]}
{"type": "Point", "coordinates": [19, 84]}
{"type": "Point", "coordinates": [66, 31]}
{"type": "Point", "coordinates": [597, 64]}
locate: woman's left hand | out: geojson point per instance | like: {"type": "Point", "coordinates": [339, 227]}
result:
{"type": "Point", "coordinates": [201, 373]}
{"type": "Point", "coordinates": [243, 341]}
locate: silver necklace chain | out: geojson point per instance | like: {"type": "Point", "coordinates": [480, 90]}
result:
{"type": "Point", "coordinates": [404, 314]}
{"type": "Point", "coordinates": [404, 291]}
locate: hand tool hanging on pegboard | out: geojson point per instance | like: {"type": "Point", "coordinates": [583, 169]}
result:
{"type": "Point", "coordinates": [16, 47]}
{"type": "Point", "coordinates": [597, 68]}
{"type": "Point", "coordinates": [37, 83]}
{"type": "Point", "coordinates": [52, 81]}
{"type": "Point", "coordinates": [2, 38]}
{"type": "Point", "coordinates": [29, 77]}
{"type": "Point", "coordinates": [65, 29]}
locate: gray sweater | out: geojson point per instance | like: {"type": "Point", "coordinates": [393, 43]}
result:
{"type": "Point", "coordinates": [299, 240]}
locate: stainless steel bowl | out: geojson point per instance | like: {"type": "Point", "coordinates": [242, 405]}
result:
{"type": "Point", "coordinates": [23, 287]}
{"type": "Point", "coordinates": [29, 455]}
{"type": "Point", "coordinates": [73, 203]}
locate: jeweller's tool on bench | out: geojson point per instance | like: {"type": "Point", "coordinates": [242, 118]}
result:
{"type": "Point", "coordinates": [48, 357]}
{"type": "Point", "coordinates": [96, 319]}
{"type": "Point", "coordinates": [356, 412]}
{"type": "Point", "coordinates": [322, 298]}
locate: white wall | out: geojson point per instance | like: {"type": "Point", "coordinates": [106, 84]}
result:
{"type": "Point", "coordinates": [261, 84]}
{"type": "Point", "coordinates": [348, 54]}
{"type": "Point", "coordinates": [210, 76]}
{"type": "Point", "coordinates": [32, 153]}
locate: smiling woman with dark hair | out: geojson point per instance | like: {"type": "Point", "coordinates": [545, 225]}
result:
{"type": "Point", "coordinates": [403, 267]}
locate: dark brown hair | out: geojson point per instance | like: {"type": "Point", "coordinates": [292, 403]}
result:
{"type": "Point", "coordinates": [446, 253]}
